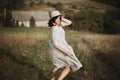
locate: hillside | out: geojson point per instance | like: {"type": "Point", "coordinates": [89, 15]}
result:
{"type": "Point", "coordinates": [115, 3]}
{"type": "Point", "coordinates": [68, 4]}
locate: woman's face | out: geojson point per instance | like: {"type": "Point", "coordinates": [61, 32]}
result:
{"type": "Point", "coordinates": [58, 20]}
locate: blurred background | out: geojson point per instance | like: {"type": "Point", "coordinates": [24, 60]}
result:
{"type": "Point", "coordinates": [94, 36]}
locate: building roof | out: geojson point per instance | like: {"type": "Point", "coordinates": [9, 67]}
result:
{"type": "Point", "coordinates": [26, 15]}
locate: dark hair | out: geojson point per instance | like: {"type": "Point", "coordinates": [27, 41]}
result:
{"type": "Point", "coordinates": [52, 20]}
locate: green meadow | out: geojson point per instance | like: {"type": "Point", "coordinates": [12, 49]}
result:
{"type": "Point", "coordinates": [24, 54]}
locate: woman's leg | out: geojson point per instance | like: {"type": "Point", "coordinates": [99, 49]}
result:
{"type": "Point", "coordinates": [64, 73]}
{"type": "Point", "coordinates": [53, 73]}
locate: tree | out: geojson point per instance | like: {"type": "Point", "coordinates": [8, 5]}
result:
{"type": "Point", "coordinates": [88, 20]}
{"type": "Point", "coordinates": [32, 4]}
{"type": "Point", "coordinates": [32, 22]}
{"type": "Point", "coordinates": [19, 4]}
{"type": "Point", "coordinates": [115, 3]}
{"type": "Point", "coordinates": [8, 21]}
{"type": "Point", "coordinates": [22, 24]}
{"type": "Point", "coordinates": [12, 4]}
{"type": "Point", "coordinates": [3, 3]}
{"type": "Point", "coordinates": [59, 6]}
{"type": "Point", "coordinates": [41, 2]}
{"type": "Point", "coordinates": [112, 22]}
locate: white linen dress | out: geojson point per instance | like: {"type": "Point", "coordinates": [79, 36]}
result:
{"type": "Point", "coordinates": [59, 58]}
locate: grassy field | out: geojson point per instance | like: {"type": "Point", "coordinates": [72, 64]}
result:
{"type": "Point", "coordinates": [24, 54]}
{"type": "Point", "coordinates": [63, 1]}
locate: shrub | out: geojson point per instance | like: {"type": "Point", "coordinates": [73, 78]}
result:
{"type": "Point", "coordinates": [74, 6]}
{"type": "Point", "coordinates": [32, 22]}
{"type": "Point", "coordinates": [32, 4]}
{"type": "Point", "coordinates": [41, 2]}
{"type": "Point", "coordinates": [89, 20]}
{"type": "Point", "coordinates": [58, 6]}
{"type": "Point", "coordinates": [112, 22]}
{"type": "Point", "coordinates": [7, 21]}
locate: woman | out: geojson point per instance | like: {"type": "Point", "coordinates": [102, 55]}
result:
{"type": "Point", "coordinates": [62, 53]}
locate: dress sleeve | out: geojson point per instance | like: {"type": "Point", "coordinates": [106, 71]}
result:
{"type": "Point", "coordinates": [55, 36]}
{"type": "Point", "coordinates": [65, 22]}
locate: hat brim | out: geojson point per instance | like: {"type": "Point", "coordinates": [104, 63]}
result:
{"type": "Point", "coordinates": [55, 16]}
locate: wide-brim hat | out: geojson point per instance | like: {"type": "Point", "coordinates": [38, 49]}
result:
{"type": "Point", "coordinates": [55, 13]}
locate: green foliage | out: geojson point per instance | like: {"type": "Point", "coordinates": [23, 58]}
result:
{"type": "Point", "coordinates": [12, 4]}
{"type": "Point", "coordinates": [50, 4]}
{"type": "Point", "coordinates": [112, 22]}
{"type": "Point", "coordinates": [3, 3]}
{"type": "Point", "coordinates": [74, 6]}
{"type": "Point", "coordinates": [95, 21]}
{"type": "Point", "coordinates": [88, 20]}
{"type": "Point", "coordinates": [32, 4]}
{"type": "Point", "coordinates": [58, 6]}
{"type": "Point", "coordinates": [19, 4]}
{"type": "Point", "coordinates": [41, 2]}
{"type": "Point", "coordinates": [7, 21]}
{"type": "Point", "coordinates": [115, 3]}
{"type": "Point", "coordinates": [22, 24]}
{"type": "Point", "coordinates": [32, 22]}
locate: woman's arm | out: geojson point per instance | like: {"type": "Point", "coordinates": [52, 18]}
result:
{"type": "Point", "coordinates": [63, 50]}
{"type": "Point", "coordinates": [65, 22]}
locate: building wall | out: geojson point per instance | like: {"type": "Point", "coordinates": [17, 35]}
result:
{"type": "Point", "coordinates": [37, 23]}
{"type": "Point", "coordinates": [41, 23]}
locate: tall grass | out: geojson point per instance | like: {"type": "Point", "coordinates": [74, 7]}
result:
{"type": "Point", "coordinates": [99, 54]}
{"type": "Point", "coordinates": [63, 1]}
{"type": "Point", "coordinates": [24, 54]}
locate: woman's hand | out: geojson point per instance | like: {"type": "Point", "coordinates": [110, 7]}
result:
{"type": "Point", "coordinates": [69, 54]}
